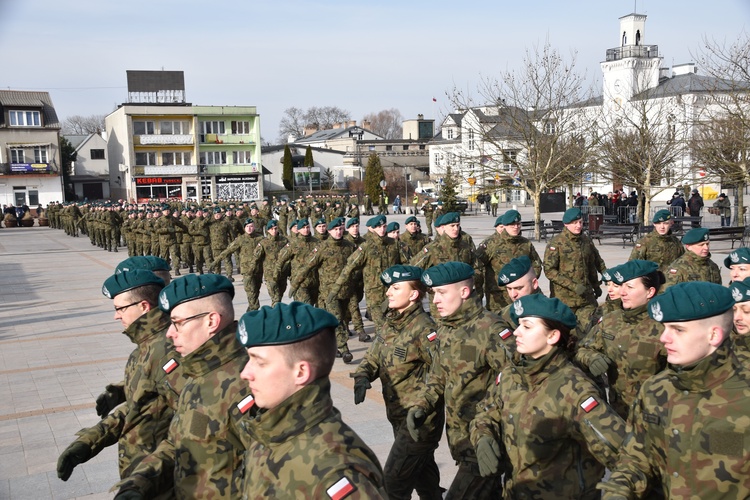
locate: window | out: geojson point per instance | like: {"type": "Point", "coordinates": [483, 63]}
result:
{"type": "Point", "coordinates": [421, 146]}
{"type": "Point", "coordinates": [241, 128]}
{"type": "Point", "coordinates": [175, 158]}
{"type": "Point", "coordinates": [33, 197]}
{"type": "Point", "coordinates": [143, 128]}
{"type": "Point", "coordinates": [471, 139]}
{"type": "Point", "coordinates": [242, 157]}
{"type": "Point", "coordinates": [174, 128]}
{"type": "Point", "coordinates": [24, 118]}
{"type": "Point", "coordinates": [17, 156]}
{"type": "Point", "coordinates": [449, 133]}
{"type": "Point", "coordinates": [145, 159]}
{"type": "Point", "coordinates": [389, 148]}
{"type": "Point", "coordinates": [212, 127]}
{"type": "Point", "coordinates": [509, 160]}
{"type": "Point", "coordinates": [214, 158]}
{"type": "Point", "coordinates": [371, 148]}
{"type": "Point", "coordinates": [550, 128]}
{"type": "Point", "coordinates": [40, 155]}
{"type": "Point", "coordinates": [405, 147]}
{"type": "Point", "coordinates": [96, 154]}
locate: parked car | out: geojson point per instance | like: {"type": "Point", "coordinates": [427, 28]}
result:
{"type": "Point", "coordinates": [462, 204]}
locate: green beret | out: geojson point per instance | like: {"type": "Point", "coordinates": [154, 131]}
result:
{"type": "Point", "coordinates": [282, 324]}
{"type": "Point", "coordinates": [397, 274]}
{"type": "Point", "coordinates": [127, 280]}
{"type": "Point", "coordinates": [147, 262]}
{"type": "Point", "coordinates": [191, 287]}
{"type": "Point", "coordinates": [447, 273]}
{"type": "Point", "coordinates": [662, 216]}
{"type": "Point", "coordinates": [739, 256]}
{"type": "Point", "coordinates": [321, 220]}
{"type": "Point", "coordinates": [338, 221]}
{"type": "Point", "coordinates": [392, 226]}
{"type": "Point", "coordinates": [438, 221]}
{"type": "Point", "coordinates": [249, 220]}
{"type": "Point", "coordinates": [451, 218]}
{"type": "Point", "coordinates": [292, 223]}
{"type": "Point", "coordinates": [510, 217]}
{"type": "Point", "coordinates": [164, 206]}
{"type": "Point", "coordinates": [607, 275]}
{"type": "Point", "coordinates": [513, 270]}
{"type": "Point", "coordinates": [271, 223]}
{"type": "Point", "coordinates": [631, 270]}
{"type": "Point", "coordinates": [498, 221]}
{"type": "Point", "coordinates": [217, 210]}
{"type": "Point", "coordinates": [440, 203]}
{"type": "Point", "coordinates": [571, 214]}
{"type": "Point", "coordinates": [538, 306]}
{"type": "Point", "coordinates": [411, 219]}
{"type": "Point", "coordinates": [352, 221]}
{"type": "Point", "coordinates": [302, 223]}
{"type": "Point", "coordinates": [690, 301]}
{"type": "Point", "coordinates": [740, 290]}
{"type": "Point", "coordinates": [377, 221]}
{"type": "Point", "coordinates": [695, 236]}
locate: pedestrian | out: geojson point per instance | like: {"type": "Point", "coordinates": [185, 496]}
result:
{"type": "Point", "coordinates": [724, 207]}
{"type": "Point", "coordinates": [695, 205]}
{"type": "Point", "coordinates": [493, 204]}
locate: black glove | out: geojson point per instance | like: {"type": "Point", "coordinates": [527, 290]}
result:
{"type": "Point", "coordinates": [129, 495]}
{"type": "Point", "coordinates": [488, 456]}
{"type": "Point", "coordinates": [598, 291]}
{"type": "Point", "coordinates": [361, 385]}
{"type": "Point", "coordinates": [599, 364]}
{"type": "Point", "coordinates": [414, 420]}
{"type": "Point", "coordinates": [76, 453]}
{"type": "Point", "coordinates": [112, 396]}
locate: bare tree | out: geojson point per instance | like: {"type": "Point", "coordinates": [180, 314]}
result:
{"type": "Point", "coordinates": [385, 123]}
{"type": "Point", "coordinates": [83, 125]}
{"type": "Point", "coordinates": [291, 124]}
{"type": "Point", "coordinates": [325, 117]}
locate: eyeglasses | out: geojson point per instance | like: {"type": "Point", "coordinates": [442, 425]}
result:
{"type": "Point", "coordinates": [122, 308]}
{"type": "Point", "coordinates": [180, 322]}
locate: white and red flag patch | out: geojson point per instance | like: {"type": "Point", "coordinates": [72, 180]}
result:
{"type": "Point", "coordinates": [246, 403]}
{"type": "Point", "coordinates": [589, 404]}
{"type": "Point", "coordinates": [432, 336]}
{"type": "Point", "coordinates": [505, 334]}
{"type": "Point", "coordinates": [341, 489]}
{"type": "Point", "coordinates": [170, 366]}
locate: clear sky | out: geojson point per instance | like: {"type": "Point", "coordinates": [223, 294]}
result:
{"type": "Point", "coordinates": [360, 56]}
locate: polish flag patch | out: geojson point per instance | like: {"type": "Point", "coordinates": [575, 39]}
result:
{"type": "Point", "coordinates": [673, 271]}
{"type": "Point", "coordinates": [432, 336]}
{"type": "Point", "coordinates": [505, 334]}
{"type": "Point", "coordinates": [497, 379]}
{"type": "Point", "coordinates": [170, 366]}
{"type": "Point", "coordinates": [246, 404]}
{"type": "Point", "coordinates": [589, 404]}
{"type": "Point", "coordinates": [600, 319]}
{"type": "Point", "coordinates": [341, 489]}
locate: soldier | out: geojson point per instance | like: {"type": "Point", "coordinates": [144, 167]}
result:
{"type": "Point", "coordinates": [519, 279]}
{"type": "Point", "coordinates": [401, 357]}
{"type": "Point", "coordinates": [738, 263]}
{"type": "Point", "coordinates": [358, 285]}
{"type": "Point", "coordinates": [392, 231]}
{"type": "Point", "coordinates": [688, 421]}
{"type": "Point", "coordinates": [152, 380]}
{"type": "Point", "coordinates": [660, 245]}
{"type": "Point", "coordinates": [353, 212]}
{"type": "Point", "coordinates": [186, 245]}
{"type": "Point", "coordinates": [203, 451]}
{"type": "Point", "coordinates": [220, 231]}
{"type": "Point", "coordinates": [200, 234]}
{"type": "Point", "coordinates": [296, 253]}
{"type": "Point", "coordinates": [557, 431]}
{"type": "Point", "coordinates": [428, 212]}
{"type": "Point", "coordinates": [741, 296]}
{"type": "Point", "coordinates": [472, 347]}
{"type": "Point", "coordinates": [156, 265]}
{"type": "Point", "coordinates": [571, 262]}
{"type": "Point", "coordinates": [263, 261]}
{"type": "Point", "coordinates": [166, 226]}
{"type": "Point", "coordinates": [497, 250]}
{"type": "Point", "coordinates": [321, 228]}
{"type": "Point", "coordinates": [695, 264]}
{"type": "Point", "coordinates": [368, 205]}
{"type": "Point", "coordinates": [285, 211]}
{"type": "Point", "coordinates": [154, 235]}
{"type": "Point", "coordinates": [252, 275]}
{"type": "Point", "coordinates": [412, 237]}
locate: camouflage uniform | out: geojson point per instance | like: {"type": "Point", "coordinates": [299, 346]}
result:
{"type": "Point", "coordinates": [691, 267]}
{"type": "Point", "coordinates": [570, 262]}
{"type": "Point", "coordinates": [428, 213]}
{"type": "Point", "coordinates": [297, 252]}
{"type": "Point", "coordinates": [557, 431]}
{"type": "Point", "coordinates": [302, 449]}
{"type": "Point", "coordinates": [630, 339]}
{"type": "Point", "coordinates": [416, 242]}
{"type": "Point", "coordinates": [496, 251]}
{"type": "Point", "coordinates": [358, 286]}
{"type": "Point", "coordinates": [186, 245]}
{"type": "Point", "coordinates": [220, 232]}
{"type": "Point", "coordinates": [264, 261]}
{"type": "Point", "coordinates": [252, 277]}
{"type": "Point", "coordinates": [657, 248]}
{"type": "Point", "coordinates": [401, 357]}
{"type": "Point", "coordinates": [166, 226]}
{"type": "Point", "coordinates": [203, 451]}
{"type": "Point", "coordinates": [200, 234]}
{"type": "Point", "coordinates": [689, 433]}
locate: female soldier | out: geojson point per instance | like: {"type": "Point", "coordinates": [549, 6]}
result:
{"type": "Point", "coordinates": [557, 431]}
{"type": "Point", "coordinates": [401, 356]}
{"type": "Point", "coordinates": [626, 346]}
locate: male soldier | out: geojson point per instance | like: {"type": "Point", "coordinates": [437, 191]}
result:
{"type": "Point", "coordinates": [695, 264]}
{"type": "Point", "coordinates": [428, 210]}
{"type": "Point", "coordinates": [186, 245]}
{"type": "Point", "coordinates": [166, 226]}
{"type": "Point", "coordinates": [738, 263]}
{"type": "Point", "coordinates": [296, 253]}
{"type": "Point", "coordinates": [327, 259]}
{"type": "Point", "coordinates": [200, 234]}
{"type": "Point", "coordinates": [321, 228]}
{"type": "Point", "coordinates": [438, 211]}
{"type": "Point", "coordinates": [263, 261]}
{"type": "Point", "coordinates": [518, 278]}
{"type": "Point", "coordinates": [660, 245]}
{"type": "Point", "coordinates": [154, 235]}
{"type": "Point", "coordinates": [571, 262]}
{"type": "Point", "coordinates": [220, 232]}
{"type": "Point", "coordinates": [687, 425]}
{"type": "Point", "coordinates": [373, 257]}
{"type": "Point", "coordinates": [203, 451]}
{"type": "Point", "coordinates": [152, 380]}
{"type": "Point", "coordinates": [358, 285]}
{"type": "Point", "coordinates": [413, 239]}
{"type": "Point", "coordinates": [284, 212]}
{"type": "Point", "coordinates": [298, 445]}
{"type": "Point", "coordinates": [368, 205]}
{"type": "Point", "coordinates": [245, 245]}
{"type": "Point", "coordinates": [497, 250]}
{"type": "Point", "coordinates": [472, 349]}
{"type": "Point", "coordinates": [741, 295]}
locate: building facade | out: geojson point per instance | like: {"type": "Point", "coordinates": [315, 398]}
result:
{"type": "Point", "coordinates": [89, 173]}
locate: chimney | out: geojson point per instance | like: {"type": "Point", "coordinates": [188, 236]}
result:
{"type": "Point", "coordinates": [684, 69]}
{"type": "Point", "coordinates": [352, 123]}
{"type": "Point", "coordinates": [310, 129]}
{"type": "Point", "coordinates": [420, 117]}
{"type": "Point", "coordinates": [663, 74]}
{"type": "Point", "coordinates": [336, 126]}
{"type": "Point", "coordinates": [366, 124]}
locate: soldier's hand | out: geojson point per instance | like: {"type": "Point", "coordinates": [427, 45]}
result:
{"type": "Point", "coordinates": [488, 456]}
{"type": "Point", "coordinates": [129, 495]}
{"type": "Point", "coordinates": [599, 364]}
{"type": "Point", "coordinates": [361, 384]}
{"type": "Point", "coordinates": [331, 298]}
{"type": "Point", "coordinates": [76, 453]}
{"type": "Point", "coordinates": [582, 289]}
{"type": "Point", "coordinates": [414, 420]}
{"type": "Point", "coordinates": [112, 396]}
{"type": "Point", "coordinates": [598, 291]}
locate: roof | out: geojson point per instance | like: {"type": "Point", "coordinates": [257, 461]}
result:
{"type": "Point", "coordinates": [280, 147]}
{"type": "Point", "coordinates": [77, 140]}
{"type": "Point", "coordinates": [691, 83]}
{"type": "Point", "coordinates": [27, 99]}
{"type": "Point", "coordinates": [326, 135]}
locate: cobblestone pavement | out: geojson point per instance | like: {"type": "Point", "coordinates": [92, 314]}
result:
{"type": "Point", "coordinates": [59, 346]}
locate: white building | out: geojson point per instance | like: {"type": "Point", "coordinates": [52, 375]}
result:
{"type": "Point", "coordinates": [90, 172]}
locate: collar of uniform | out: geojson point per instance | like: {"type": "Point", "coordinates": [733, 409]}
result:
{"type": "Point", "coordinates": [697, 258]}
{"type": "Point", "coordinates": [216, 351]}
{"type": "Point", "coordinates": [636, 314]}
{"type": "Point", "coordinates": [741, 342]}
{"type": "Point", "coordinates": [466, 312]}
{"type": "Point", "coordinates": [571, 236]}
{"type": "Point", "coordinates": [154, 322]}
{"type": "Point", "coordinates": [706, 373]}
{"type": "Point", "coordinates": [399, 319]}
{"type": "Point", "coordinates": [296, 414]}
{"type": "Point", "coordinates": [512, 239]}
{"type": "Point", "coordinates": [534, 371]}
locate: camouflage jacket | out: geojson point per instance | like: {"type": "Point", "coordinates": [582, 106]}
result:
{"type": "Point", "coordinates": [445, 249]}
{"type": "Point", "coordinates": [220, 231]}
{"type": "Point", "coordinates": [631, 340]}
{"type": "Point", "coordinates": [265, 255]}
{"type": "Point", "coordinates": [203, 452]}
{"type": "Point", "coordinates": [657, 248]}
{"type": "Point", "coordinates": [473, 345]}
{"type": "Point", "coordinates": [297, 252]}
{"type": "Point", "coordinates": [166, 227]}
{"type": "Point", "coordinates": [416, 242]}
{"type": "Point", "coordinates": [558, 432]}
{"type": "Point", "coordinates": [153, 381]}
{"type": "Point", "coordinates": [302, 449]}
{"type": "Point", "coordinates": [570, 260]}
{"type": "Point", "coordinates": [691, 267]}
{"type": "Point", "coordinates": [689, 433]}
{"type": "Point", "coordinates": [245, 244]}
{"type": "Point", "coordinates": [327, 259]}
{"type": "Point", "coordinates": [400, 357]}
{"type": "Point", "coordinates": [198, 229]}
{"type": "Point", "coordinates": [372, 258]}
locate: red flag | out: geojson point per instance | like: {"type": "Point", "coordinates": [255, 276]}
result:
{"type": "Point", "coordinates": [434, 100]}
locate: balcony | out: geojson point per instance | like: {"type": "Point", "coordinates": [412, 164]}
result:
{"type": "Point", "coordinates": [639, 51]}
{"type": "Point", "coordinates": [27, 168]}
{"type": "Point", "coordinates": [171, 170]}
{"type": "Point", "coordinates": [227, 139]}
{"type": "Point", "coordinates": [160, 139]}
{"type": "Point", "coordinates": [252, 168]}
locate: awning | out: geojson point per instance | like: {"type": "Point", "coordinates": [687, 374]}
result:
{"type": "Point", "coordinates": [27, 144]}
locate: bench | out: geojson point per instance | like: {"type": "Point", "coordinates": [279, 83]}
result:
{"type": "Point", "coordinates": [628, 232]}
{"type": "Point", "coordinates": [684, 224]}
{"type": "Point", "coordinates": [732, 233]}
{"type": "Point", "coordinates": [528, 225]}
{"type": "Point", "coordinates": [550, 230]}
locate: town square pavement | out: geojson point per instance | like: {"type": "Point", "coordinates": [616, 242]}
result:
{"type": "Point", "coordinates": [59, 347]}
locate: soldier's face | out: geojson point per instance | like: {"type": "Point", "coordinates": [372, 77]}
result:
{"type": "Point", "coordinates": [394, 234]}
{"type": "Point", "coordinates": [353, 230]}
{"type": "Point", "coordinates": [575, 227]}
{"type": "Point", "coordinates": [127, 310]}
{"type": "Point", "coordinates": [613, 290]}
{"type": "Point", "coordinates": [533, 338]}
{"type": "Point", "coordinates": [452, 230]}
{"type": "Point", "coordinates": [690, 341]}
{"type": "Point", "coordinates": [380, 230]}
{"type": "Point", "coordinates": [499, 228]}
{"type": "Point", "coordinates": [701, 249]}
{"type": "Point", "coordinates": [522, 287]}
{"type": "Point", "coordinates": [742, 317]}
{"type": "Point", "coordinates": [739, 272]}
{"type": "Point", "coordinates": [270, 376]}
{"type": "Point", "coordinates": [448, 298]}
{"type": "Point", "coordinates": [400, 295]}
{"type": "Point", "coordinates": [190, 331]}
{"type": "Point", "coordinates": [249, 228]}
{"type": "Point", "coordinates": [663, 227]}
{"type": "Point", "coordinates": [321, 229]}
{"type": "Point", "coordinates": [337, 232]}
{"type": "Point", "coordinates": [513, 229]}
{"type": "Point", "coordinates": [273, 231]}
{"type": "Point", "coordinates": [412, 227]}
{"type": "Point", "coordinates": [634, 294]}
{"type": "Point", "coordinates": [304, 230]}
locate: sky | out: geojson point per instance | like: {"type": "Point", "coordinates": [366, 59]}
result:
{"type": "Point", "coordinates": [360, 56]}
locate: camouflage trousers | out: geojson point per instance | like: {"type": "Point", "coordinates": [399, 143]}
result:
{"type": "Point", "coordinates": [353, 313]}
{"type": "Point", "coordinates": [468, 483]}
{"type": "Point", "coordinates": [167, 250]}
{"type": "Point", "coordinates": [276, 289]}
{"type": "Point", "coordinates": [336, 308]}
{"type": "Point", "coordinates": [584, 313]}
{"type": "Point", "coordinates": [374, 298]}
{"type": "Point", "coordinates": [252, 289]}
{"type": "Point", "coordinates": [227, 262]}
{"type": "Point", "coordinates": [428, 222]}
{"type": "Point", "coordinates": [411, 466]}
{"type": "Point", "coordinates": [308, 295]}
{"type": "Point", "coordinates": [186, 255]}
{"type": "Point", "coordinates": [201, 255]}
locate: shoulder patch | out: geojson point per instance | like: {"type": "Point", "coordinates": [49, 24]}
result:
{"type": "Point", "coordinates": [650, 418]}
{"type": "Point", "coordinates": [359, 248]}
{"type": "Point", "coordinates": [638, 245]}
{"type": "Point", "coordinates": [673, 271]}
{"type": "Point", "coordinates": [246, 404]}
{"type": "Point", "coordinates": [170, 366]}
{"type": "Point", "coordinates": [497, 379]}
{"type": "Point", "coordinates": [589, 404]}
{"type": "Point", "coordinates": [340, 489]}
{"type": "Point", "coordinates": [426, 250]}
{"type": "Point", "coordinates": [505, 334]}
{"type": "Point", "coordinates": [600, 319]}
{"type": "Point", "coordinates": [432, 336]}
{"type": "Point", "coordinates": [552, 248]}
